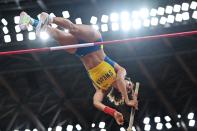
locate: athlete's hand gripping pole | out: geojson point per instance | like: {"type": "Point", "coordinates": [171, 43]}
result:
{"type": "Point", "coordinates": [133, 109]}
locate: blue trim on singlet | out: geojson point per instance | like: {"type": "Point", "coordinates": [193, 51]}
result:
{"type": "Point", "coordinates": [86, 50]}
{"type": "Point", "coordinates": [110, 61]}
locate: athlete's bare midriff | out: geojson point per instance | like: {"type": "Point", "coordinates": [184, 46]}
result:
{"type": "Point", "coordinates": [91, 60]}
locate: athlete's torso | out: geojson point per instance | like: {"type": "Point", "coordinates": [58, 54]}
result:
{"type": "Point", "coordinates": [90, 56]}
{"type": "Point", "coordinates": [100, 68]}
{"type": "Point", "coordinates": [93, 59]}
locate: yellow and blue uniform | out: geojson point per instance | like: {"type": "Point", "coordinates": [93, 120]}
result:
{"type": "Point", "coordinates": [103, 75]}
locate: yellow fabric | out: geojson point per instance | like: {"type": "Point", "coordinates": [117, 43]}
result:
{"type": "Point", "coordinates": [102, 75]}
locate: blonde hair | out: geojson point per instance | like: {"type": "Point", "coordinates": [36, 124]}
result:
{"type": "Point", "coordinates": [115, 96]}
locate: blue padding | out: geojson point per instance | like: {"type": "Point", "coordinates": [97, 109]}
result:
{"type": "Point", "coordinates": [110, 61]}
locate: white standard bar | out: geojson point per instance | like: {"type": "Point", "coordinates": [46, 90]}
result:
{"type": "Point", "coordinates": [137, 89]}
{"type": "Point", "coordinates": [71, 46]}
{"type": "Point", "coordinates": [133, 109]}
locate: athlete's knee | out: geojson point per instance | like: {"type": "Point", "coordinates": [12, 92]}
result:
{"type": "Point", "coordinates": [54, 32]}
{"type": "Point", "coordinates": [73, 29]}
{"type": "Point", "coordinates": [95, 103]}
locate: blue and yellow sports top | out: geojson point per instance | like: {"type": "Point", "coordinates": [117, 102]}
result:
{"type": "Point", "coordinates": [103, 75]}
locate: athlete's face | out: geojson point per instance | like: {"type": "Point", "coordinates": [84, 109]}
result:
{"type": "Point", "coordinates": [129, 86]}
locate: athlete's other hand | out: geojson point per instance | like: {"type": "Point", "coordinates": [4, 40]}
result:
{"type": "Point", "coordinates": [119, 118]}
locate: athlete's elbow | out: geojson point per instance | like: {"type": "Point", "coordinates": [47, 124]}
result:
{"type": "Point", "coordinates": [97, 104]}
{"type": "Point", "coordinates": [121, 74]}
{"type": "Point", "coordinates": [123, 70]}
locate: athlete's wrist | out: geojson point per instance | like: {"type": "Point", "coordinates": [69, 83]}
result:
{"type": "Point", "coordinates": [109, 110]}
{"type": "Point", "coordinates": [127, 101]}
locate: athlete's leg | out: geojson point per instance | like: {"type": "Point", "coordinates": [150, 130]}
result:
{"type": "Point", "coordinates": [84, 32]}
{"type": "Point", "coordinates": [60, 36]}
